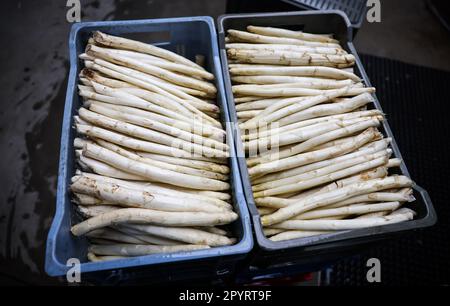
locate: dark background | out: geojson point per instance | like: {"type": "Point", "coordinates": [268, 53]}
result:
{"type": "Point", "coordinates": [34, 62]}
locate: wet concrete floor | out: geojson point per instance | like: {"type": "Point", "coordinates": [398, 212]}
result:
{"type": "Point", "coordinates": [34, 61]}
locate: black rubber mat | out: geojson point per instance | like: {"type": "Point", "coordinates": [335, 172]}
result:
{"type": "Point", "coordinates": [416, 101]}
{"type": "Point", "coordinates": [355, 9]}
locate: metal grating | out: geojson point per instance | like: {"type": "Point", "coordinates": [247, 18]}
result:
{"type": "Point", "coordinates": [355, 9]}
{"type": "Point", "coordinates": [415, 100]}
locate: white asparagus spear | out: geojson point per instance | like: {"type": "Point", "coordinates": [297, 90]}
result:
{"type": "Point", "coordinates": [313, 71]}
{"type": "Point", "coordinates": [306, 133]}
{"type": "Point", "coordinates": [84, 56]}
{"type": "Point", "coordinates": [126, 75]}
{"type": "Point", "coordinates": [152, 172]}
{"type": "Point", "coordinates": [196, 164]}
{"type": "Point", "coordinates": [314, 156]}
{"type": "Point", "coordinates": [152, 97]}
{"type": "Point", "coordinates": [334, 196]}
{"type": "Point", "coordinates": [190, 91]}
{"type": "Point", "coordinates": [114, 235]}
{"type": "Point", "coordinates": [295, 48]}
{"type": "Point", "coordinates": [289, 58]}
{"type": "Point", "coordinates": [191, 105]}
{"type": "Point", "coordinates": [344, 131]}
{"type": "Point", "coordinates": [265, 211]}
{"type": "Point", "coordinates": [135, 144]}
{"type": "Point", "coordinates": [282, 235]}
{"type": "Point", "coordinates": [147, 216]}
{"type": "Point", "coordinates": [394, 162]}
{"type": "Point", "coordinates": [374, 214]}
{"type": "Point", "coordinates": [150, 83]}
{"type": "Point", "coordinates": [132, 54]}
{"type": "Point", "coordinates": [150, 135]}
{"type": "Point", "coordinates": [84, 199]}
{"type": "Point", "coordinates": [151, 69]}
{"type": "Point", "coordinates": [78, 120]}
{"type": "Point", "coordinates": [141, 199]}
{"type": "Point", "coordinates": [87, 82]}
{"type": "Point", "coordinates": [90, 211]}
{"type": "Point", "coordinates": [119, 84]}
{"type": "Point", "coordinates": [91, 75]}
{"type": "Point", "coordinates": [344, 224]}
{"type": "Point", "coordinates": [94, 132]}
{"type": "Point", "coordinates": [145, 94]}
{"type": "Point", "coordinates": [358, 209]}
{"type": "Point", "coordinates": [191, 127]}
{"type": "Point", "coordinates": [159, 164]}
{"type": "Point", "coordinates": [305, 82]}
{"type": "Point", "coordinates": [214, 194]}
{"type": "Point", "coordinates": [279, 32]}
{"type": "Point", "coordinates": [255, 105]}
{"type": "Point", "coordinates": [94, 258]}
{"type": "Point", "coordinates": [107, 95]}
{"type": "Point", "coordinates": [128, 44]}
{"type": "Point", "coordinates": [336, 143]}
{"type": "Point", "coordinates": [184, 234]}
{"type": "Point", "coordinates": [149, 239]}
{"type": "Point", "coordinates": [141, 250]}
{"type": "Point", "coordinates": [332, 167]}
{"type": "Point", "coordinates": [162, 164]}
{"type": "Point", "coordinates": [255, 38]}
{"type": "Point", "coordinates": [157, 126]}
{"type": "Point", "coordinates": [160, 189]}
{"type": "Point", "coordinates": [286, 107]}
{"type": "Point", "coordinates": [162, 63]}
{"type": "Point", "coordinates": [340, 140]}
{"type": "Point", "coordinates": [288, 85]}
{"type": "Point", "coordinates": [247, 114]}
{"type": "Point", "coordinates": [105, 169]}
{"type": "Point", "coordinates": [310, 122]}
{"type": "Point", "coordinates": [262, 91]}
{"type": "Point", "coordinates": [278, 105]}
{"type": "Point", "coordinates": [377, 173]}
{"type": "Point", "coordinates": [271, 231]}
{"type": "Point", "coordinates": [377, 147]}
{"type": "Point", "coordinates": [214, 230]}
{"type": "Point", "coordinates": [377, 197]}
{"type": "Point", "coordinates": [290, 135]}
{"type": "Point", "coordinates": [316, 181]}
{"type": "Point", "coordinates": [245, 99]}
{"type": "Point", "coordinates": [328, 109]}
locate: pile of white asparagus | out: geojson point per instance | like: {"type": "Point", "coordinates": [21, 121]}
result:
{"type": "Point", "coordinates": [317, 162]}
{"type": "Point", "coordinates": [153, 162]}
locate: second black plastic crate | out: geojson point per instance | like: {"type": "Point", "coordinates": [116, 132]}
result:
{"type": "Point", "coordinates": [317, 250]}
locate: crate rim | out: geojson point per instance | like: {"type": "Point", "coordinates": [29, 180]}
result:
{"type": "Point", "coordinates": [289, 13]}
{"type": "Point", "coordinates": [53, 266]}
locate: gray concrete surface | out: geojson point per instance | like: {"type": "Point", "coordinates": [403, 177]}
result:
{"type": "Point", "coordinates": [408, 32]}
{"type": "Point", "coordinates": [32, 89]}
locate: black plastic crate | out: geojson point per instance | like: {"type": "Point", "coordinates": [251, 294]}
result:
{"type": "Point", "coordinates": [188, 36]}
{"type": "Point", "coordinates": [313, 252]}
